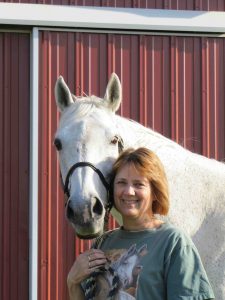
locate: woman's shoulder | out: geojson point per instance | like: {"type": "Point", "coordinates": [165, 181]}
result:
{"type": "Point", "coordinates": [175, 235]}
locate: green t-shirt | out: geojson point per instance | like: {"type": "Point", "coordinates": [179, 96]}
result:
{"type": "Point", "coordinates": [156, 264]}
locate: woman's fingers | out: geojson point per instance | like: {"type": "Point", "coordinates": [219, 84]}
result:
{"type": "Point", "coordinates": [85, 264]}
{"type": "Point", "coordinates": [95, 259]}
{"type": "Point", "coordinates": [96, 263]}
{"type": "Point", "coordinates": [95, 254]}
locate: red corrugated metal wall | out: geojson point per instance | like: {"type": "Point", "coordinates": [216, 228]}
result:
{"type": "Point", "coordinates": [14, 165]}
{"type": "Point", "coordinates": [172, 84]}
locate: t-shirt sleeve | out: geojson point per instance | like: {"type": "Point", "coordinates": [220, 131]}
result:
{"type": "Point", "coordinates": [186, 278]}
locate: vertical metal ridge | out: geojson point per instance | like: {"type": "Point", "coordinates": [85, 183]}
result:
{"type": "Point", "coordinates": [215, 80]}
{"type": "Point", "coordinates": [143, 81]}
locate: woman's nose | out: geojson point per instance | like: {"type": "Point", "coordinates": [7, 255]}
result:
{"type": "Point", "coordinates": [129, 190]}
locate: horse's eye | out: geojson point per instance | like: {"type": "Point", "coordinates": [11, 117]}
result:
{"type": "Point", "coordinates": [58, 144]}
{"type": "Point", "coordinates": [114, 140]}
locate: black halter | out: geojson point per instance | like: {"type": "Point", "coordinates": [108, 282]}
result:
{"type": "Point", "coordinates": [108, 205]}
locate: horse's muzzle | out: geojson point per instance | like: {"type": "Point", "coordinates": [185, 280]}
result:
{"type": "Point", "coordinates": [88, 218]}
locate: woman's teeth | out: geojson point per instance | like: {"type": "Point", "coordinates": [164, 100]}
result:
{"type": "Point", "coordinates": [130, 201]}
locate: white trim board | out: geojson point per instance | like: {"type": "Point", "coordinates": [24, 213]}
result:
{"type": "Point", "coordinates": [33, 204]}
{"type": "Point", "coordinates": [111, 18]}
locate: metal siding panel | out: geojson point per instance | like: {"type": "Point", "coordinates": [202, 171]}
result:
{"type": "Point", "coordinates": [142, 69]}
{"type": "Point", "coordinates": [158, 85]}
{"type": "Point", "coordinates": [134, 77]}
{"type": "Point", "coordinates": [23, 160]}
{"type": "Point", "coordinates": [6, 170]}
{"type": "Point", "coordinates": [220, 103]}
{"type": "Point", "coordinates": [166, 87]}
{"type": "Point", "coordinates": [210, 104]}
{"type": "Point", "coordinates": [197, 109]}
{"type": "Point", "coordinates": [188, 92]}
{"type": "Point", "coordinates": [14, 162]}
{"type": "Point", "coordinates": [173, 84]}
{"type": "Point", "coordinates": [213, 98]}
{"type": "Point", "coordinates": [14, 165]}
{"type": "Point", "coordinates": [204, 50]}
{"type": "Point", "coordinates": [180, 92]}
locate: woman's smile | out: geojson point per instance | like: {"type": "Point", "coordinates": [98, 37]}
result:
{"type": "Point", "coordinates": [130, 203]}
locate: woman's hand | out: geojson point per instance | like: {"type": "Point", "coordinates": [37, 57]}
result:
{"type": "Point", "coordinates": [84, 265]}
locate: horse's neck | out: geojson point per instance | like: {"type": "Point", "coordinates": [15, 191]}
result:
{"type": "Point", "coordinates": [137, 135]}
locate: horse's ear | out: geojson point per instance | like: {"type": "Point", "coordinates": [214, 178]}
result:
{"type": "Point", "coordinates": [62, 94]}
{"type": "Point", "coordinates": [113, 93]}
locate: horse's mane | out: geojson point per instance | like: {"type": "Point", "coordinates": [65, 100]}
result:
{"type": "Point", "coordinates": [144, 134]}
{"type": "Point", "coordinates": [148, 137]}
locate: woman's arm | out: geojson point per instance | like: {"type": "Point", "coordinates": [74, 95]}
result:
{"type": "Point", "coordinates": [75, 291]}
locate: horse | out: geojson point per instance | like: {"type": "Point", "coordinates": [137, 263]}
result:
{"type": "Point", "coordinates": [90, 137]}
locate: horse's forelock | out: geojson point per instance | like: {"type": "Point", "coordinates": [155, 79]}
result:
{"type": "Point", "coordinates": [81, 108]}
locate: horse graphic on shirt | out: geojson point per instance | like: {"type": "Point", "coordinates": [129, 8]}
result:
{"type": "Point", "coordinates": [120, 279]}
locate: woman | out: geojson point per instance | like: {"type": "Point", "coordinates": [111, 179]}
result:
{"type": "Point", "coordinates": [146, 258]}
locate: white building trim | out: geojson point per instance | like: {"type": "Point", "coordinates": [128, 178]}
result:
{"type": "Point", "coordinates": [33, 209]}
{"type": "Point", "coordinates": [112, 18]}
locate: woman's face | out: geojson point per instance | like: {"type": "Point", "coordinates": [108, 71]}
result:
{"type": "Point", "coordinates": [132, 195]}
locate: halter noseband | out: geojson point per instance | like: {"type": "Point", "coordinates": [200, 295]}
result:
{"type": "Point", "coordinates": [83, 164]}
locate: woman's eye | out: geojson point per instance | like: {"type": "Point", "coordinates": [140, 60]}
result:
{"type": "Point", "coordinates": [58, 144]}
{"type": "Point", "coordinates": [139, 184]}
{"type": "Point", "coordinates": [121, 182]}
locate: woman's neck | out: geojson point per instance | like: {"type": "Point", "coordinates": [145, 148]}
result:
{"type": "Point", "coordinates": [135, 225]}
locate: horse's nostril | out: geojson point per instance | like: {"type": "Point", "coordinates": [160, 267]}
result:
{"type": "Point", "coordinates": [97, 207]}
{"type": "Point", "coordinates": [84, 212]}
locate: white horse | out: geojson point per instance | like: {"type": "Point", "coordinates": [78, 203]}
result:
{"type": "Point", "coordinates": [90, 131]}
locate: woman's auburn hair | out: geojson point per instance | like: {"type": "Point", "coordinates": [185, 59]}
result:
{"type": "Point", "coordinates": [148, 164]}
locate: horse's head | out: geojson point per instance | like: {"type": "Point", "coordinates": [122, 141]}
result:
{"type": "Point", "coordinates": [87, 133]}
